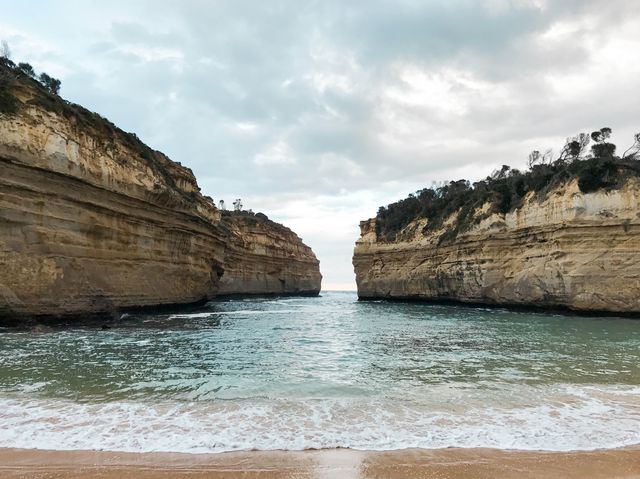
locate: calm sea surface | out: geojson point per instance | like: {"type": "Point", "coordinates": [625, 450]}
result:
{"type": "Point", "coordinates": [296, 373]}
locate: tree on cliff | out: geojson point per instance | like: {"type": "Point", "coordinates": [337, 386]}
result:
{"type": "Point", "coordinates": [534, 158]}
{"type": "Point", "coordinates": [602, 148]}
{"type": "Point", "coordinates": [27, 69]}
{"type": "Point", "coordinates": [633, 152]}
{"type": "Point", "coordinates": [575, 147]}
{"type": "Point", "coordinates": [8, 103]}
{"type": "Point", "coordinates": [50, 83]}
{"type": "Point", "coordinates": [5, 51]}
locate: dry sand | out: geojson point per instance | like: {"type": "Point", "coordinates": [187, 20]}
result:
{"type": "Point", "coordinates": [334, 464]}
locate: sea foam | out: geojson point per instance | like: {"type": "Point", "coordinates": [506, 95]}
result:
{"type": "Point", "coordinates": [565, 418]}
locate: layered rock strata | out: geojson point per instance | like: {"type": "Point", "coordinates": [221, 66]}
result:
{"type": "Point", "coordinates": [265, 257]}
{"type": "Point", "coordinates": [568, 250]}
{"type": "Point", "coordinates": [93, 221]}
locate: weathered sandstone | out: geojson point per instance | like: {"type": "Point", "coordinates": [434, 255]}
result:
{"type": "Point", "coordinates": [93, 221]}
{"type": "Point", "coordinates": [265, 257]}
{"type": "Point", "coordinates": [567, 250]}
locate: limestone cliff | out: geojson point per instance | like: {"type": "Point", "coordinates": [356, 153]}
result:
{"type": "Point", "coordinates": [265, 257]}
{"type": "Point", "coordinates": [570, 249]}
{"type": "Point", "coordinates": [93, 221]}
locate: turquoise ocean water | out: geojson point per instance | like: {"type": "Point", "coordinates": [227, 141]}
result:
{"type": "Point", "coordinates": [298, 373]}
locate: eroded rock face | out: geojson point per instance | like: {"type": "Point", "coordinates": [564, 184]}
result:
{"type": "Point", "coordinates": [265, 257]}
{"type": "Point", "coordinates": [570, 250]}
{"type": "Point", "coordinates": [92, 221]}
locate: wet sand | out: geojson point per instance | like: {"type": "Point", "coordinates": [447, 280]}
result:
{"type": "Point", "coordinates": [334, 464]}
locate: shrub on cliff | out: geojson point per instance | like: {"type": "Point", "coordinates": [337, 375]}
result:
{"type": "Point", "coordinates": [8, 103]}
{"type": "Point", "coordinates": [596, 173]}
{"type": "Point", "coordinates": [250, 218]}
{"type": "Point", "coordinates": [12, 76]}
{"type": "Point", "coordinates": [602, 148]}
{"type": "Point", "coordinates": [633, 152]}
{"type": "Point", "coordinates": [5, 52]}
{"type": "Point", "coordinates": [27, 69]}
{"type": "Point", "coordinates": [506, 188]}
{"type": "Point", "coordinates": [50, 83]}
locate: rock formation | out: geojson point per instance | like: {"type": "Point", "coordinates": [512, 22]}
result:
{"type": "Point", "coordinates": [570, 249]}
{"type": "Point", "coordinates": [266, 257]}
{"type": "Point", "coordinates": [93, 221]}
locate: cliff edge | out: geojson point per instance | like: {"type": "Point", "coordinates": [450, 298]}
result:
{"type": "Point", "coordinates": [557, 248]}
{"type": "Point", "coordinates": [93, 221]}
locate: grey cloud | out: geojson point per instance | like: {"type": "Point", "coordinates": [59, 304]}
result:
{"type": "Point", "coordinates": [386, 31]}
{"type": "Point", "coordinates": [135, 33]}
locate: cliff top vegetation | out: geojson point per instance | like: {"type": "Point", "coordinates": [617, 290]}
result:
{"type": "Point", "coordinates": [506, 188]}
{"type": "Point", "coordinates": [253, 219]}
{"type": "Point", "coordinates": [20, 87]}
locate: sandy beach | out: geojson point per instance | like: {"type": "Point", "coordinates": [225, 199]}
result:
{"type": "Point", "coordinates": [337, 464]}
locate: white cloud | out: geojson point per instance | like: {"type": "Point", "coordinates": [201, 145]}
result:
{"type": "Point", "coordinates": [278, 153]}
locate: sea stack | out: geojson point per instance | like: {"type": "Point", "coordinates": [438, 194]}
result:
{"type": "Point", "coordinates": [93, 221]}
{"type": "Point", "coordinates": [571, 243]}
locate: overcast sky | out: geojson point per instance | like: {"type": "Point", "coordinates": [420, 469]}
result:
{"type": "Point", "coordinates": [318, 112]}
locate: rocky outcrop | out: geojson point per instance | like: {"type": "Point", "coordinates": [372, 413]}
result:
{"type": "Point", "coordinates": [264, 257]}
{"type": "Point", "coordinates": [93, 221]}
{"type": "Point", "coordinates": [567, 250]}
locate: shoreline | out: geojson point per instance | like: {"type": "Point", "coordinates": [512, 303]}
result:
{"type": "Point", "coordinates": [511, 307]}
{"type": "Point", "coordinates": [450, 463]}
{"type": "Point", "coordinates": [111, 318]}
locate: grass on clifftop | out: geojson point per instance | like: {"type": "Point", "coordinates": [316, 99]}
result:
{"type": "Point", "coordinates": [506, 188]}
